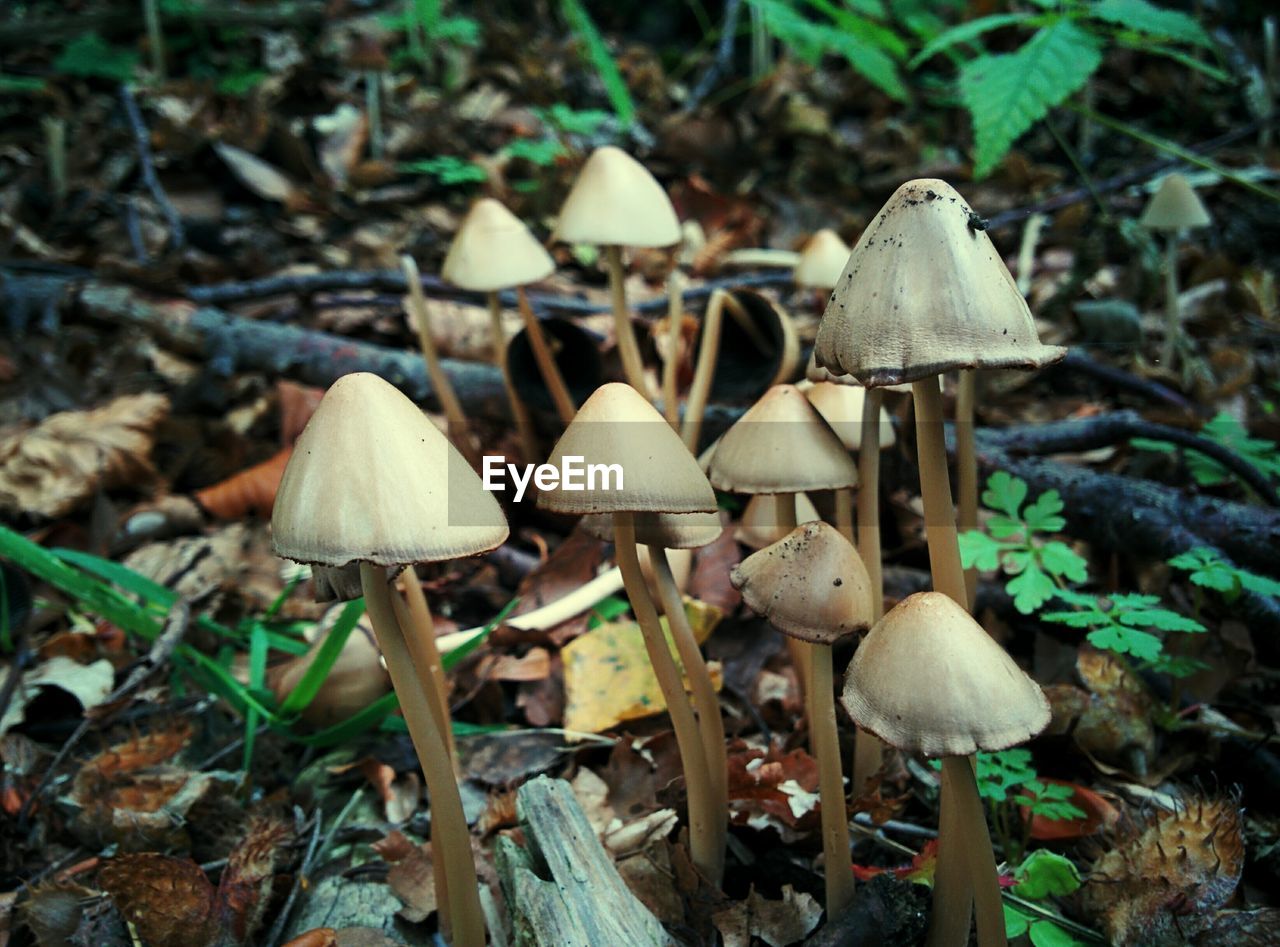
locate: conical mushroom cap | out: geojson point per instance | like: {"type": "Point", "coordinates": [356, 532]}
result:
{"type": "Point", "coordinates": [811, 584]}
{"type": "Point", "coordinates": [781, 445]}
{"type": "Point", "coordinates": [822, 260]}
{"type": "Point", "coordinates": [759, 526]}
{"type": "Point", "coordinates": [815, 373]}
{"type": "Point", "coordinates": [494, 250]}
{"type": "Point", "coordinates": [616, 202]}
{"type": "Point", "coordinates": [372, 480]}
{"type": "Point", "coordinates": [669, 530]}
{"type": "Point", "coordinates": [617, 427]}
{"type": "Point", "coordinates": [841, 407]}
{"type": "Point", "coordinates": [927, 678]}
{"type": "Point", "coordinates": [923, 293]}
{"type": "Point", "coordinates": [1175, 206]}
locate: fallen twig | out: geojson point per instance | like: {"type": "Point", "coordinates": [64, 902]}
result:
{"type": "Point", "coordinates": [1079, 361]}
{"type": "Point", "coordinates": [147, 168]}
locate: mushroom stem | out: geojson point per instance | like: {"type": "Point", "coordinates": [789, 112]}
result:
{"type": "Point", "coordinates": [1172, 313]}
{"type": "Point", "coordinates": [551, 376]}
{"type": "Point", "coordinates": [519, 412]}
{"type": "Point", "coordinates": [869, 497]}
{"type": "Point", "coordinates": [628, 347]}
{"type": "Point", "coordinates": [953, 888]}
{"type": "Point", "coordinates": [697, 780]}
{"type": "Point", "coordinates": [844, 513]}
{"type": "Point", "coordinates": [975, 840]}
{"type": "Point", "coordinates": [459, 430]}
{"type": "Point", "coordinates": [155, 36]}
{"type": "Point", "coordinates": [705, 701]}
{"type": "Point", "coordinates": [704, 373]}
{"type": "Point", "coordinates": [373, 111]}
{"type": "Point", "coordinates": [420, 635]}
{"type": "Point", "coordinates": [446, 803]}
{"type": "Point", "coordinates": [967, 468]}
{"type": "Point", "coordinates": [675, 320]}
{"type": "Point", "coordinates": [824, 740]}
{"type": "Point", "coordinates": [797, 649]}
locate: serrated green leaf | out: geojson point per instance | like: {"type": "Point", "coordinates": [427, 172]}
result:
{"type": "Point", "coordinates": [91, 56]}
{"type": "Point", "coordinates": [1042, 515]}
{"type": "Point", "coordinates": [1046, 874]}
{"type": "Point", "coordinates": [1258, 584]}
{"type": "Point", "coordinates": [1030, 589]}
{"type": "Point", "coordinates": [1134, 600]}
{"type": "Point", "coordinates": [1140, 644]}
{"type": "Point", "coordinates": [967, 33]}
{"type": "Point", "coordinates": [1162, 619]}
{"type": "Point", "coordinates": [1005, 493]}
{"type": "Point", "coordinates": [1007, 94]}
{"type": "Point", "coordinates": [1148, 18]}
{"type": "Point", "coordinates": [1058, 558]}
{"type": "Point", "coordinates": [1015, 922]}
{"type": "Point", "coordinates": [1075, 619]}
{"type": "Point", "coordinates": [1045, 933]}
{"type": "Point", "coordinates": [1001, 527]}
{"type": "Point", "coordinates": [979, 551]}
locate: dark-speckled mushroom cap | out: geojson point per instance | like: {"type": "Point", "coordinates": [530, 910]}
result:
{"type": "Point", "coordinates": [925, 292]}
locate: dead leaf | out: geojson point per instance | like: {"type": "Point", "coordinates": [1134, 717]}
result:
{"type": "Point", "coordinates": [52, 468]}
{"type": "Point", "coordinates": [777, 923]}
{"type": "Point", "coordinates": [534, 665]}
{"type": "Point", "coordinates": [251, 491]}
{"type": "Point", "coordinates": [607, 676]}
{"type": "Point", "coordinates": [195, 567]}
{"type": "Point", "coordinates": [168, 900]}
{"type": "Point", "coordinates": [244, 889]}
{"type": "Point", "coordinates": [773, 790]}
{"type": "Point", "coordinates": [411, 876]}
{"type": "Point", "coordinates": [87, 683]}
{"type": "Point", "coordinates": [261, 177]}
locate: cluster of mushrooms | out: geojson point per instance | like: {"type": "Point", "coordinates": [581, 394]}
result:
{"type": "Point", "coordinates": [373, 488]}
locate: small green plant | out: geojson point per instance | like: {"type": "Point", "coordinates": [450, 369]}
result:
{"type": "Point", "coordinates": [449, 170]}
{"type": "Point", "coordinates": [427, 28]}
{"type": "Point", "coordinates": [1016, 543]}
{"type": "Point", "coordinates": [1230, 433]}
{"type": "Point", "coordinates": [1044, 874]}
{"type": "Point", "coordinates": [597, 50]}
{"type": "Point", "coordinates": [1128, 624]}
{"type": "Point", "coordinates": [92, 57]}
{"type": "Point", "coordinates": [1006, 93]}
{"type": "Point", "coordinates": [1208, 570]}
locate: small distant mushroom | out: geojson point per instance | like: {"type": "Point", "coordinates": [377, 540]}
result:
{"type": "Point", "coordinates": [368, 56]}
{"type": "Point", "coordinates": [812, 585]}
{"type": "Point", "coordinates": [821, 262]}
{"type": "Point", "coordinates": [373, 487]}
{"type": "Point", "coordinates": [1173, 209]}
{"type": "Point", "coordinates": [616, 203]}
{"type": "Point", "coordinates": [759, 524]}
{"type": "Point", "coordinates": [928, 679]}
{"type": "Point", "coordinates": [493, 250]}
{"type": "Point", "coordinates": [618, 426]}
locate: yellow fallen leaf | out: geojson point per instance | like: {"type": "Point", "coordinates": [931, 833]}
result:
{"type": "Point", "coordinates": [607, 677]}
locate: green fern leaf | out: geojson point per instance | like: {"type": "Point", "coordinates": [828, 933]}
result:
{"type": "Point", "coordinates": [1007, 94]}
{"type": "Point", "coordinates": [1145, 17]}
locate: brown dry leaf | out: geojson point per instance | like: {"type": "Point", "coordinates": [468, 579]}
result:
{"type": "Point", "coordinates": [87, 683]}
{"type": "Point", "coordinates": [777, 923]}
{"type": "Point", "coordinates": [711, 567]}
{"type": "Point", "coordinates": [140, 752]}
{"type": "Point", "coordinates": [140, 811]}
{"type": "Point", "coordinates": [572, 565]}
{"type": "Point", "coordinates": [411, 876]}
{"type": "Point", "coordinates": [196, 566]}
{"type": "Point", "coordinates": [251, 491]}
{"type": "Point", "coordinates": [534, 665]}
{"type": "Point", "coordinates": [245, 887]}
{"type": "Point", "coordinates": [1166, 876]}
{"type": "Point", "coordinates": [52, 468]}
{"type": "Point", "coordinates": [772, 790]}
{"type": "Point", "coordinates": [261, 177]}
{"type": "Point", "coordinates": [168, 900]}
{"type": "Point", "coordinates": [296, 405]}
{"type": "Point", "coordinates": [319, 937]}
{"type": "Point", "coordinates": [1116, 727]}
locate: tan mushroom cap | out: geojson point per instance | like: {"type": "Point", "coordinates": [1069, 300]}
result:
{"type": "Point", "coordinates": [493, 250]}
{"type": "Point", "coordinates": [924, 292]}
{"type": "Point", "coordinates": [927, 678]}
{"type": "Point", "coordinates": [759, 526]}
{"type": "Point", "coordinates": [822, 260]}
{"type": "Point", "coordinates": [1175, 206]}
{"type": "Point", "coordinates": [841, 407]}
{"type": "Point", "coordinates": [616, 202]}
{"type": "Point", "coordinates": [815, 373]}
{"type": "Point", "coordinates": [781, 445]}
{"type": "Point", "coordinates": [669, 530]}
{"type": "Point", "coordinates": [371, 479]}
{"type": "Point", "coordinates": [811, 584]}
{"type": "Point", "coordinates": [618, 427]}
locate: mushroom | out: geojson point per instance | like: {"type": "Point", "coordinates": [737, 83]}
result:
{"type": "Point", "coordinates": [618, 426]}
{"type": "Point", "coordinates": [928, 679]}
{"type": "Point", "coordinates": [758, 527]}
{"type": "Point", "coordinates": [659, 532]}
{"type": "Point", "coordinates": [812, 585]}
{"type": "Point", "coordinates": [782, 446]}
{"type": "Point", "coordinates": [368, 56]}
{"type": "Point", "coordinates": [616, 203]}
{"type": "Point", "coordinates": [355, 679]}
{"type": "Point", "coordinates": [459, 428]}
{"type": "Point", "coordinates": [494, 250]}
{"type": "Point", "coordinates": [1174, 208]}
{"type": "Point", "coordinates": [924, 292]}
{"type": "Point", "coordinates": [373, 486]}
{"type": "Point", "coordinates": [821, 262]}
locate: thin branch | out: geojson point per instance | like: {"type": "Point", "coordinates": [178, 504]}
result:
{"type": "Point", "coordinates": [723, 60]}
{"type": "Point", "coordinates": [146, 164]}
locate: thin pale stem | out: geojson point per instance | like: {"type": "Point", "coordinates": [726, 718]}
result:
{"type": "Point", "coordinates": [797, 649]}
{"type": "Point", "coordinates": [868, 750]}
{"type": "Point", "coordinates": [628, 347]}
{"type": "Point", "coordinates": [976, 842]}
{"type": "Point", "coordinates": [952, 888]}
{"type": "Point", "coordinates": [705, 701]}
{"type": "Point", "coordinates": [459, 429]}
{"type": "Point", "coordinates": [519, 412]}
{"type": "Point", "coordinates": [420, 634]}
{"type": "Point", "coordinates": [697, 780]}
{"type": "Point", "coordinates": [155, 36]}
{"type": "Point", "coordinates": [1172, 310]}
{"type": "Point", "coordinates": [454, 855]}
{"type": "Point", "coordinates": [844, 514]}
{"type": "Point", "coordinates": [824, 741]}
{"type": "Point", "coordinates": [675, 323]}
{"type": "Point", "coordinates": [967, 468]}
{"type": "Point", "coordinates": [373, 109]}
{"type": "Point", "coordinates": [547, 367]}
{"type": "Point", "coordinates": [705, 372]}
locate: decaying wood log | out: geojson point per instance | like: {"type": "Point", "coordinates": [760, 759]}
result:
{"type": "Point", "coordinates": [562, 890]}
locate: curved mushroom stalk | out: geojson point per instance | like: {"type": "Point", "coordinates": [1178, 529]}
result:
{"type": "Point", "coordinates": [967, 468]}
{"type": "Point", "coordinates": [824, 740]}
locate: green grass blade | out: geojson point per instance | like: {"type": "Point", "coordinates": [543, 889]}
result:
{"type": "Point", "coordinates": [301, 696]}
{"type": "Point", "coordinates": [615, 87]}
